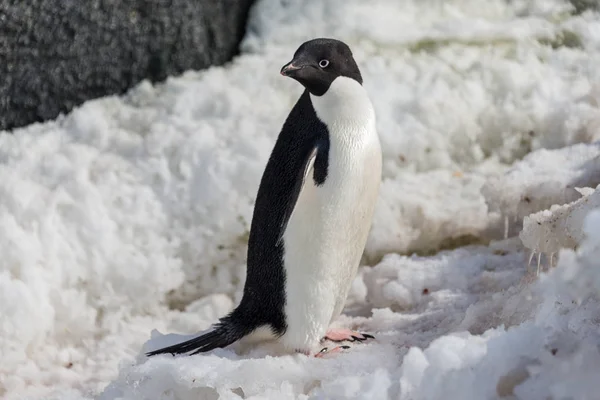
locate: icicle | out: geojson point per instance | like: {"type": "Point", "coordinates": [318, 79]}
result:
{"type": "Point", "coordinates": [538, 264]}
{"type": "Point", "coordinates": [530, 258]}
{"type": "Point", "coordinates": [505, 227]}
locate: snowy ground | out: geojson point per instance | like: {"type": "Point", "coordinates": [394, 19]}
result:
{"type": "Point", "coordinates": [132, 213]}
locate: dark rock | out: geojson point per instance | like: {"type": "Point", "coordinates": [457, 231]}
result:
{"type": "Point", "coordinates": [56, 54]}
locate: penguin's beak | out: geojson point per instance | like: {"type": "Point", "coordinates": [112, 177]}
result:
{"type": "Point", "coordinates": [289, 69]}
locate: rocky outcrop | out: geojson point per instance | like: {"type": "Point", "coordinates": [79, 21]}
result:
{"type": "Point", "coordinates": [56, 54]}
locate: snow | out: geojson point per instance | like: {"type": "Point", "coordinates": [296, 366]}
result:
{"type": "Point", "coordinates": [129, 216]}
{"type": "Point", "coordinates": [561, 226]}
{"type": "Point", "coordinates": [542, 179]}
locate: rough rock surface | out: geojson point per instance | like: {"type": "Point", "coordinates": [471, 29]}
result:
{"type": "Point", "coordinates": [55, 54]}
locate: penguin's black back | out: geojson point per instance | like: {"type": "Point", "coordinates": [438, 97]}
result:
{"type": "Point", "coordinates": [264, 291]}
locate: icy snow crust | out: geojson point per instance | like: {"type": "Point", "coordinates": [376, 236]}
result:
{"type": "Point", "coordinates": [132, 213]}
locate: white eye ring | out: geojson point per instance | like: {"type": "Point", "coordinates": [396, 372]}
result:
{"type": "Point", "coordinates": [323, 63]}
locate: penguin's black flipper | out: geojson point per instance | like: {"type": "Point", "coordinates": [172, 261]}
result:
{"type": "Point", "coordinates": [315, 163]}
{"type": "Point", "coordinates": [224, 333]}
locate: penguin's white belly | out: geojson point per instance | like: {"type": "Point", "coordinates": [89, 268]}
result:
{"type": "Point", "coordinates": [328, 229]}
{"type": "Point", "coordinates": [325, 239]}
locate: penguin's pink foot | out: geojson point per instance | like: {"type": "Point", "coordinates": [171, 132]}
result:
{"type": "Point", "coordinates": [326, 351]}
{"type": "Point", "coordinates": [346, 335]}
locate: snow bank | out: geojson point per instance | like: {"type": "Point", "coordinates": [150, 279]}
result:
{"type": "Point", "coordinates": [559, 227]}
{"type": "Point", "coordinates": [542, 179]}
{"type": "Point", "coordinates": [132, 213]}
{"type": "Point", "coordinates": [454, 208]}
{"type": "Point", "coordinates": [455, 325]}
{"type": "Point", "coordinates": [455, 284]}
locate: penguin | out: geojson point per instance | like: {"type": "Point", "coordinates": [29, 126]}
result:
{"type": "Point", "coordinates": [312, 214]}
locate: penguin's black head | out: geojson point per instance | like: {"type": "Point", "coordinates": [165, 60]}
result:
{"type": "Point", "coordinates": [318, 62]}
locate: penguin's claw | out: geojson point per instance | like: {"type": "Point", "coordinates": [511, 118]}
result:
{"type": "Point", "coordinates": [325, 351]}
{"type": "Point", "coordinates": [346, 335]}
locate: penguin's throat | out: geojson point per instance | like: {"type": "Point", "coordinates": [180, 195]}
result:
{"type": "Point", "coordinates": [346, 100]}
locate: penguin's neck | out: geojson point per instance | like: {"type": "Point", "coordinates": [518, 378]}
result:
{"type": "Point", "coordinates": [345, 104]}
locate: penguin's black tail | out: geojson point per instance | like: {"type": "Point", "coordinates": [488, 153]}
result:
{"type": "Point", "coordinates": [224, 333]}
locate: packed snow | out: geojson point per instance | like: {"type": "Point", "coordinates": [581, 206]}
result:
{"type": "Point", "coordinates": [123, 225]}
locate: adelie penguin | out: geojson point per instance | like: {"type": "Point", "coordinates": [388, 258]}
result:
{"type": "Point", "coordinates": [313, 212]}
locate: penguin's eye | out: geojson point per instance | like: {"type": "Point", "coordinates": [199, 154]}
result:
{"type": "Point", "coordinates": [323, 63]}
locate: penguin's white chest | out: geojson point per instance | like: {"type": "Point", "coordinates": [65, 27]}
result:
{"type": "Point", "coordinates": [328, 229]}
